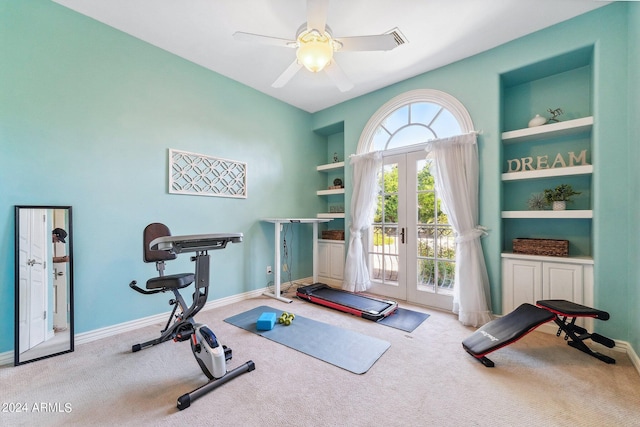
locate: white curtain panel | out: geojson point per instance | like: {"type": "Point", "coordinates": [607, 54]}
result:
{"type": "Point", "coordinates": [456, 173]}
{"type": "Point", "coordinates": [363, 201]}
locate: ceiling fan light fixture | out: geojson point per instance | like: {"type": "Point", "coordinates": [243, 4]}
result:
{"type": "Point", "coordinates": [315, 50]}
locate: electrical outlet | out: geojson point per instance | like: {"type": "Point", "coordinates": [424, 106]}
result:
{"type": "Point", "coordinates": [285, 267]}
{"type": "Point", "coordinates": [269, 270]}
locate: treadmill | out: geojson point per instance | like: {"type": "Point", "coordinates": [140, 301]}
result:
{"type": "Point", "coordinates": [364, 306]}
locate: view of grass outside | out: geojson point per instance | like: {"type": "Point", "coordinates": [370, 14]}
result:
{"type": "Point", "coordinates": [407, 126]}
{"type": "Point", "coordinates": [436, 245]}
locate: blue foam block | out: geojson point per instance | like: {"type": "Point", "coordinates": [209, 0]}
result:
{"type": "Point", "coordinates": [266, 321]}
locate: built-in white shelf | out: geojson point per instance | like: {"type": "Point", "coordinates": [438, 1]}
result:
{"type": "Point", "coordinates": [331, 215]}
{"type": "Point", "coordinates": [553, 130]}
{"type": "Point", "coordinates": [548, 173]}
{"type": "Point", "coordinates": [566, 214]}
{"type": "Point", "coordinates": [330, 166]}
{"type": "Point", "coordinates": [330, 192]}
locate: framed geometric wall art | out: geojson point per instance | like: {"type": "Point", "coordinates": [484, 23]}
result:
{"type": "Point", "coordinates": [202, 175]}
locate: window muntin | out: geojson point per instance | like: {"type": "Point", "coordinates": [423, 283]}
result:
{"type": "Point", "coordinates": [414, 124]}
{"type": "Point", "coordinates": [404, 124]}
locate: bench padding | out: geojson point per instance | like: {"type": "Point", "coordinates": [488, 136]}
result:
{"type": "Point", "coordinates": [506, 329]}
{"type": "Point", "coordinates": [571, 309]}
{"type": "Point", "coordinates": [513, 326]}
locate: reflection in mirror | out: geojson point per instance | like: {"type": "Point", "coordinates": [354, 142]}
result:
{"type": "Point", "coordinates": [44, 282]}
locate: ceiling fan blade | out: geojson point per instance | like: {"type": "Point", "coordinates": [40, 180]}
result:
{"type": "Point", "coordinates": [287, 74]}
{"type": "Point", "coordinates": [338, 77]}
{"type": "Point", "coordinates": [367, 43]}
{"type": "Point", "coordinates": [317, 14]}
{"type": "Point", "coordinates": [257, 38]}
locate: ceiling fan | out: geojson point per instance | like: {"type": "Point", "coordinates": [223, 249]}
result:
{"type": "Point", "coordinates": [315, 45]}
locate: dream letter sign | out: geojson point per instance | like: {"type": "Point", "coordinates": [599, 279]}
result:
{"type": "Point", "coordinates": [542, 162]}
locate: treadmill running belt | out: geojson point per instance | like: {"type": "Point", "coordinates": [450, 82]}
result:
{"type": "Point", "coordinates": [360, 305]}
{"type": "Point", "coordinates": [351, 300]}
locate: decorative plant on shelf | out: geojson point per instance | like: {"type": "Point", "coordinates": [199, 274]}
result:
{"type": "Point", "coordinates": [559, 196]}
{"type": "Point", "coordinates": [537, 202]}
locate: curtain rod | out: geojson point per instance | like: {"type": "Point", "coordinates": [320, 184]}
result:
{"type": "Point", "coordinates": [416, 147]}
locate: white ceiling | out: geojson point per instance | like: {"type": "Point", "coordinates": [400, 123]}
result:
{"type": "Point", "coordinates": [438, 32]}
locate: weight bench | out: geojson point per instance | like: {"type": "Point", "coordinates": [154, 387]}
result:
{"type": "Point", "coordinates": [527, 317]}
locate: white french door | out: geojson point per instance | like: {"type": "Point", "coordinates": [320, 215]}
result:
{"type": "Point", "coordinates": [411, 244]}
{"type": "Point", "coordinates": [33, 277]}
{"type": "Point", "coordinates": [387, 248]}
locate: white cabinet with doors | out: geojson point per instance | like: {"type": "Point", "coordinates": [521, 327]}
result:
{"type": "Point", "coordinates": [527, 279]}
{"type": "Point", "coordinates": [544, 157]}
{"type": "Point", "coordinates": [331, 191]}
{"type": "Point", "coordinates": [331, 261]}
{"type": "Point", "coordinates": [331, 252]}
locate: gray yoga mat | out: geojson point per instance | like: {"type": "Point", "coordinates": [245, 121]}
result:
{"type": "Point", "coordinates": [346, 349]}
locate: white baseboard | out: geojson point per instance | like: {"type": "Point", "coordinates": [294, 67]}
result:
{"type": "Point", "coordinates": [625, 347]}
{"type": "Point", "coordinates": [109, 331]}
{"type": "Point", "coordinates": [326, 280]}
{"type": "Point", "coordinates": [7, 358]}
{"type": "Point", "coordinates": [331, 282]}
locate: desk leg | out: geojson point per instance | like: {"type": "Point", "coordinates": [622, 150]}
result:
{"type": "Point", "coordinates": [276, 278]}
{"type": "Point", "coordinates": [315, 252]}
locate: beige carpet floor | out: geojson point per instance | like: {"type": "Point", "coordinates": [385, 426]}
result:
{"type": "Point", "coordinates": [424, 379]}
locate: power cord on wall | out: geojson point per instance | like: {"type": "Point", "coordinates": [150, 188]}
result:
{"type": "Point", "coordinates": [287, 256]}
{"type": "Point", "coordinates": [286, 267]}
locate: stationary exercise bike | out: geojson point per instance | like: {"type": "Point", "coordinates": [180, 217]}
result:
{"type": "Point", "coordinates": [160, 246]}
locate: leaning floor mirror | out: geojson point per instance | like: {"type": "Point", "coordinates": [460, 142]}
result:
{"type": "Point", "coordinates": [44, 282]}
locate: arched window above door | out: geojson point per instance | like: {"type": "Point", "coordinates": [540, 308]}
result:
{"type": "Point", "coordinates": [413, 118]}
{"type": "Point", "coordinates": [411, 248]}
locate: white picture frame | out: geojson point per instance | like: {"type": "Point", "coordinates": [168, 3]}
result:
{"type": "Point", "coordinates": [203, 175]}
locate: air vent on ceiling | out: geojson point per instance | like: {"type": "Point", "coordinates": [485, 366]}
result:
{"type": "Point", "coordinates": [399, 38]}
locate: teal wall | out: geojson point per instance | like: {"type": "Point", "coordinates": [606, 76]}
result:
{"type": "Point", "coordinates": [634, 176]}
{"type": "Point", "coordinates": [475, 81]}
{"type": "Point", "coordinates": [87, 115]}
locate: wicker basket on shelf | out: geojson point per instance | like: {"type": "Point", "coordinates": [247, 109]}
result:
{"type": "Point", "coordinates": [546, 247]}
{"type": "Point", "coordinates": [333, 234]}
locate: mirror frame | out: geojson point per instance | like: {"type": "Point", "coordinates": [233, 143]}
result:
{"type": "Point", "coordinates": [69, 251]}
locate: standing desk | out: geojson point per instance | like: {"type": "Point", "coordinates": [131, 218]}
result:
{"type": "Point", "coordinates": [278, 227]}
